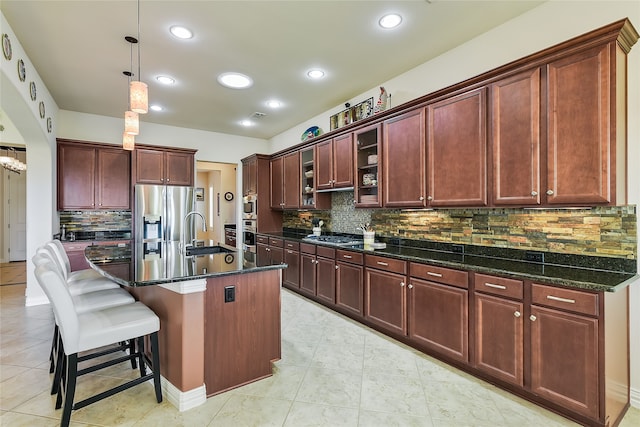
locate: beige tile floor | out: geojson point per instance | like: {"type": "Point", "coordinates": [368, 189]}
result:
{"type": "Point", "coordinates": [333, 372]}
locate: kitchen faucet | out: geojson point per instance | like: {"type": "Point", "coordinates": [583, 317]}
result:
{"type": "Point", "coordinates": [183, 245]}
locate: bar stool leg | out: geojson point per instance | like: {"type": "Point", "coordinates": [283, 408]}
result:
{"type": "Point", "coordinates": [70, 386]}
{"type": "Point", "coordinates": [155, 354]}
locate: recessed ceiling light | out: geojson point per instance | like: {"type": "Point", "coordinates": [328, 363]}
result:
{"type": "Point", "coordinates": [246, 123]}
{"type": "Point", "coordinates": [181, 32]}
{"type": "Point", "coordinates": [274, 103]}
{"type": "Point", "coordinates": [235, 80]}
{"type": "Point", "coordinates": [156, 107]}
{"type": "Point", "coordinates": [315, 73]}
{"type": "Point", "coordinates": [165, 80]}
{"type": "Point", "coordinates": [390, 21]}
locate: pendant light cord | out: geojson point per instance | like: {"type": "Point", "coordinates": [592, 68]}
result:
{"type": "Point", "coordinates": [139, 76]}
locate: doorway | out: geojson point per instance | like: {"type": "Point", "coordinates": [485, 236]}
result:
{"type": "Point", "coordinates": [13, 189]}
{"type": "Point", "coordinates": [216, 199]}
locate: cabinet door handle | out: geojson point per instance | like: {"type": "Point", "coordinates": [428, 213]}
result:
{"type": "Point", "coordinates": [167, 179]}
{"type": "Point", "coordinates": [382, 263]}
{"type": "Point", "coordinates": [491, 285]}
{"type": "Point", "coordinates": [431, 273]}
{"type": "Point", "coordinates": [421, 198]}
{"type": "Point", "coordinates": [337, 267]}
{"type": "Point", "coordinates": [402, 284]}
{"type": "Point", "coordinates": [560, 299]}
{"type": "Point", "coordinates": [534, 193]}
{"type": "Point", "coordinates": [517, 314]}
{"type": "Point", "coordinates": [289, 252]}
{"type": "Point", "coordinates": [549, 192]}
{"type": "Point", "coordinates": [347, 256]}
{"type": "Point", "coordinates": [267, 249]}
{"type": "Point", "coordinates": [533, 318]}
{"type": "Point", "coordinates": [430, 198]}
{"type": "Point", "coordinates": [410, 286]}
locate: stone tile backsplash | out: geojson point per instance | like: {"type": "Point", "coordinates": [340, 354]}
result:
{"type": "Point", "coordinates": [598, 231]}
{"type": "Point", "coordinates": [96, 220]}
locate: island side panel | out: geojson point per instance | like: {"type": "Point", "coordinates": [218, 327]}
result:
{"type": "Point", "coordinates": [242, 337]}
{"type": "Point", "coordinates": [181, 336]}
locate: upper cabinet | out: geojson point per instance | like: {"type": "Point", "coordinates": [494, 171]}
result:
{"type": "Point", "coordinates": [581, 128]}
{"type": "Point", "coordinates": [334, 165]}
{"type": "Point", "coordinates": [368, 160]}
{"type": "Point", "coordinates": [310, 198]}
{"type": "Point", "coordinates": [285, 181]}
{"type": "Point", "coordinates": [164, 166]}
{"type": "Point", "coordinates": [403, 151]}
{"type": "Point", "coordinates": [457, 150]}
{"type": "Point", "coordinates": [91, 176]}
{"type": "Point", "coordinates": [250, 176]}
{"type": "Point", "coordinates": [515, 136]}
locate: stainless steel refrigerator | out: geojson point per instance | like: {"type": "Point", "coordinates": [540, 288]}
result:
{"type": "Point", "coordinates": [160, 211]}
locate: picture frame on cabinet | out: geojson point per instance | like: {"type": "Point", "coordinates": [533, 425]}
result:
{"type": "Point", "coordinates": [6, 47]}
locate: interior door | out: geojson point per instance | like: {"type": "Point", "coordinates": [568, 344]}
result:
{"type": "Point", "coordinates": [17, 220]}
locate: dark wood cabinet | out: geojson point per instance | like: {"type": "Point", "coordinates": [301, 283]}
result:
{"type": "Point", "coordinates": [564, 349]}
{"type": "Point", "coordinates": [438, 310]}
{"type": "Point", "coordinates": [403, 151]}
{"type": "Point", "coordinates": [334, 166]}
{"type": "Point", "coordinates": [385, 300]}
{"type": "Point", "coordinates": [250, 176]}
{"type": "Point", "coordinates": [311, 198]}
{"type": "Point", "coordinates": [515, 139]}
{"type": "Point", "coordinates": [93, 177]}
{"type": "Point", "coordinates": [291, 275]}
{"type": "Point", "coordinates": [368, 157]}
{"type": "Point", "coordinates": [349, 282]}
{"type": "Point", "coordinates": [499, 328]}
{"type": "Point", "coordinates": [269, 251]}
{"type": "Point", "coordinates": [285, 181]}
{"type": "Point", "coordinates": [581, 132]}
{"type": "Point", "coordinates": [326, 279]}
{"type": "Point", "coordinates": [457, 151]}
{"type": "Point", "coordinates": [308, 272]}
{"type": "Point", "coordinates": [164, 166]}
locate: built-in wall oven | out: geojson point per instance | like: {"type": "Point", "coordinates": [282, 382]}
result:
{"type": "Point", "coordinates": [250, 207]}
{"type": "Point", "coordinates": [249, 234]}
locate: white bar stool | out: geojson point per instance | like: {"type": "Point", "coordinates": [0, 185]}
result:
{"type": "Point", "coordinates": [93, 330]}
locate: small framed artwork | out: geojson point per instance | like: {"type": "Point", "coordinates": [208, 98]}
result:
{"type": "Point", "coordinates": [199, 194]}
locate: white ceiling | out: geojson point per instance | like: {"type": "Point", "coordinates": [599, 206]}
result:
{"type": "Point", "coordinates": [79, 50]}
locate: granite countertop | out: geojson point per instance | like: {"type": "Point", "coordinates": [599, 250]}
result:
{"type": "Point", "coordinates": [561, 270]}
{"type": "Point", "coordinates": [161, 263]}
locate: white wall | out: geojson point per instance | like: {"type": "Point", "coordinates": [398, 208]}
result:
{"type": "Point", "coordinates": [549, 24]}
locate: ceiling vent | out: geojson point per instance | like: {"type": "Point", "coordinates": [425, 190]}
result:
{"type": "Point", "coordinates": [258, 115]}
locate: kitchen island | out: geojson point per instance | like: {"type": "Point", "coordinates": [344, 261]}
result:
{"type": "Point", "coordinates": [219, 313]}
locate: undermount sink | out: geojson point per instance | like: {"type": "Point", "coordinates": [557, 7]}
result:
{"type": "Point", "coordinates": [207, 250]}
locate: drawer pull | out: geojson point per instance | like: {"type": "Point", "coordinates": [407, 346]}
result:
{"type": "Point", "coordinates": [410, 286]}
{"type": "Point", "coordinates": [431, 273]}
{"type": "Point", "coordinates": [492, 285]}
{"type": "Point", "coordinates": [402, 284]}
{"type": "Point", "coordinates": [347, 256]}
{"type": "Point", "coordinates": [533, 318]}
{"type": "Point", "coordinates": [517, 314]}
{"type": "Point", "coordinates": [382, 263]}
{"type": "Point", "coordinates": [560, 299]}
{"type": "Point", "coordinates": [289, 252]}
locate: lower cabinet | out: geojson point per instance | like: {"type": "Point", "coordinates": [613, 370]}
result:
{"type": "Point", "coordinates": [326, 277]}
{"type": "Point", "coordinates": [308, 272]}
{"type": "Point", "coordinates": [349, 282]}
{"type": "Point", "coordinates": [291, 256]}
{"type": "Point", "coordinates": [499, 328]}
{"type": "Point", "coordinates": [385, 293]}
{"type": "Point", "coordinates": [438, 310]}
{"type": "Point", "coordinates": [269, 251]}
{"type": "Point", "coordinates": [564, 349]}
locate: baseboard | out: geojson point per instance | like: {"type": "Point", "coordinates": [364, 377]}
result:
{"type": "Point", "coordinates": [183, 400]}
{"type": "Point", "coordinates": [635, 398]}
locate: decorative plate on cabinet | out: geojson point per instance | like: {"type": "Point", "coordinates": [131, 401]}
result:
{"type": "Point", "coordinates": [41, 107]}
{"type": "Point", "coordinates": [22, 71]}
{"type": "Point", "coordinates": [32, 90]}
{"type": "Point", "coordinates": [49, 125]}
{"type": "Point", "coordinates": [228, 196]}
{"type": "Point", "coordinates": [6, 47]}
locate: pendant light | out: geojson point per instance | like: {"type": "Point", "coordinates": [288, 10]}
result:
{"type": "Point", "coordinates": [131, 123]}
{"type": "Point", "coordinates": [128, 141]}
{"type": "Point", "coordinates": [138, 91]}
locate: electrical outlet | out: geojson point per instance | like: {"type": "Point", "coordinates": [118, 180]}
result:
{"type": "Point", "coordinates": [534, 256]}
{"type": "Point", "coordinates": [457, 249]}
{"type": "Point", "coordinates": [229, 293]}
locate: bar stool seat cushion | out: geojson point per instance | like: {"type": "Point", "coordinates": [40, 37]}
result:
{"type": "Point", "coordinates": [99, 300]}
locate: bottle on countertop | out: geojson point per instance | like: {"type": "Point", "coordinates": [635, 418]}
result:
{"type": "Point", "coordinates": [63, 235]}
